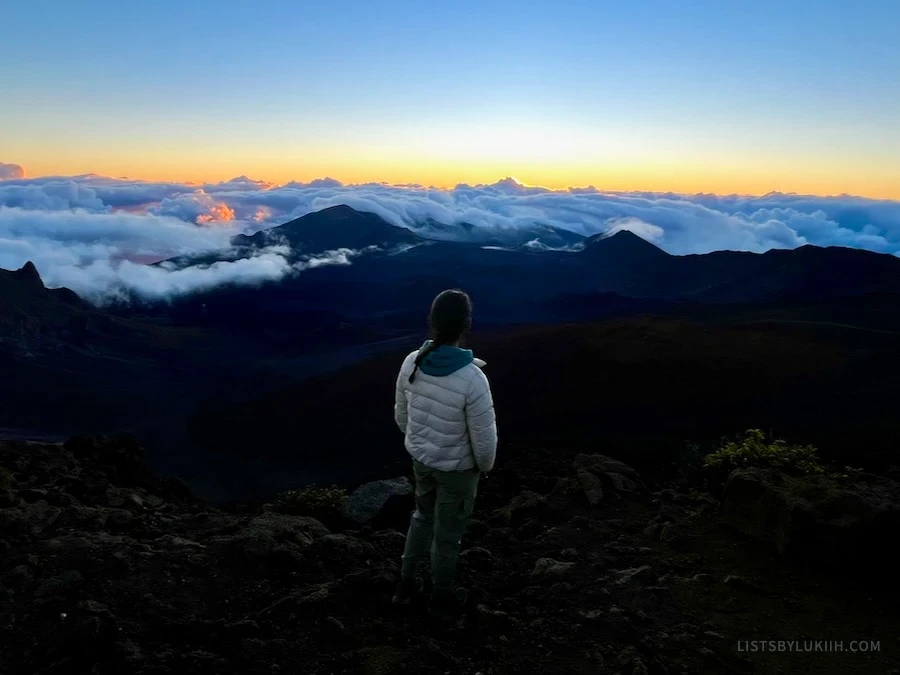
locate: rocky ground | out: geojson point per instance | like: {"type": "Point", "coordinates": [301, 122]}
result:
{"type": "Point", "coordinates": [576, 566]}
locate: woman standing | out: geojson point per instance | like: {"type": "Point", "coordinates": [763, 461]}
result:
{"type": "Point", "coordinates": [444, 407]}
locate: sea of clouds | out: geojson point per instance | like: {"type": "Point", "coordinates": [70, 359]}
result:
{"type": "Point", "coordinates": [97, 234]}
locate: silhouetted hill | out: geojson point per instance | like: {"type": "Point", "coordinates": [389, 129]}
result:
{"type": "Point", "coordinates": [623, 244]}
{"type": "Point", "coordinates": [641, 385]}
{"type": "Point", "coordinates": [809, 272]}
{"type": "Point", "coordinates": [33, 317]}
{"type": "Point", "coordinates": [68, 366]}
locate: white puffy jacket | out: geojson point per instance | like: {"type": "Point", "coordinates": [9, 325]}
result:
{"type": "Point", "coordinates": [449, 420]}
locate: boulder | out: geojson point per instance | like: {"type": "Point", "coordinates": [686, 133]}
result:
{"type": "Point", "coordinates": [593, 487]}
{"type": "Point", "coordinates": [546, 567]}
{"type": "Point", "coordinates": [565, 492]}
{"type": "Point", "coordinates": [391, 540]}
{"type": "Point", "coordinates": [523, 507]}
{"type": "Point", "coordinates": [84, 517]}
{"type": "Point", "coordinates": [271, 539]}
{"type": "Point", "coordinates": [173, 542]}
{"type": "Point", "coordinates": [299, 603]}
{"type": "Point", "coordinates": [478, 559]}
{"type": "Point", "coordinates": [119, 520]}
{"type": "Point", "coordinates": [604, 464]}
{"type": "Point", "coordinates": [341, 549]}
{"type": "Point", "coordinates": [643, 573]}
{"type": "Point", "coordinates": [814, 517]}
{"type": "Point", "coordinates": [19, 577]}
{"type": "Point", "coordinates": [88, 489]}
{"type": "Point", "coordinates": [652, 531]}
{"type": "Point", "coordinates": [621, 482]}
{"type": "Point", "coordinates": [29, 518]}
{"type": "Point", "coordinates": [381, 502]}
{"type": "Point", "coordinates": [300, 529]}
{"type": "Point", "coordinates": [65, 584]}
{"type": "Point", "coordinates": [598, 471]}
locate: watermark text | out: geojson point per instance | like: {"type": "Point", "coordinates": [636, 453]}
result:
{"type": "Point", "coordinates": [809, 645]}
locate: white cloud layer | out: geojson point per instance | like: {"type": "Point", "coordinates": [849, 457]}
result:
{"type": "Point", "coordinates": [94, 234]}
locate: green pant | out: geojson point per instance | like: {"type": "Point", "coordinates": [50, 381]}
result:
{"type": "Point", "coordinates": [444, 503]}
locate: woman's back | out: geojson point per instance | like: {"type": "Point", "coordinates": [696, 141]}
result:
{"type": "Point", "coordinates": [444, 408]}
{"type": "Point", "coordinates": [448, 408]}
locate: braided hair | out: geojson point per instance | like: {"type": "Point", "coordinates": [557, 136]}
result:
{"type": "Point", "coordinates": [449, 320]}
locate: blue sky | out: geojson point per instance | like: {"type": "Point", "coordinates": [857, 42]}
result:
{"type": "Point", "coordinates": [705, 96]}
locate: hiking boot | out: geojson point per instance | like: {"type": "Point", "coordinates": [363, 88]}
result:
{"type": "Point", "coordinates": [448, 603]}
{"type": "Point", "coordinates": [407, 591]}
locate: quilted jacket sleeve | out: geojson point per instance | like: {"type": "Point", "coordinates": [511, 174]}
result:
{"type": "Point", "coordinates": [481, 421]}
{"type": "Point", "coordinates": [401, 411]}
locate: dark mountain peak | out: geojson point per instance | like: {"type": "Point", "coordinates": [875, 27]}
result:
{"type": "Point", "coordinates": [30, 275]}
{"type": "Point", "coordinates": [623, 244]}
{"type": "Point", "coordinates": [339, 211]}
{"type": "Point", "coordinates": [344, 226]}
{"type": "Point", "coordinates": [339, 226]}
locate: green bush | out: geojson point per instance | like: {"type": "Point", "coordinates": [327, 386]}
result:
{"type": "Point", "coordinates": [6, 479]}
{"type": "Point", "coordinates": [319, 502]}
{"type": "Point", "coordinates": [752, 449]}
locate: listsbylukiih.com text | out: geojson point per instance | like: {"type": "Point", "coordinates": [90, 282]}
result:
{"type": "Point", "coordinates": [809, 645]}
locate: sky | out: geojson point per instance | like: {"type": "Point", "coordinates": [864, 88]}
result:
{"type": "Point", "coordinates": [651, 95]}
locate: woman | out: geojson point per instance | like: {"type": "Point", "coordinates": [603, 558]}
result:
{"type": "Point", "coordinates": [443, 405]}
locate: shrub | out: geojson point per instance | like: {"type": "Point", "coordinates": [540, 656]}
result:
{"type": "Point", "coordinates": [689, 458]}
{"type": "Point", "coordinates": [6, 479]}
{"type": "Point", "coordinates": [752, 449]}
{"type": "Point", "coordinates": [319, 502]}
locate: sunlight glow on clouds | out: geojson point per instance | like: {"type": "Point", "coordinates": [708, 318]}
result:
{"type": "Point", "coordinates": [197, 206]}
{"type": "Point", "coordinates": [8, 171]}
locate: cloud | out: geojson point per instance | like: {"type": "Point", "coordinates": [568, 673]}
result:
{"type": "Point", "coordinates": [652, 233]}
{"type": "Point", "coordinates": [93, 232]}
{"type": "Point", "coordinates": [8, 171]}
{"type": "Point", "coordinates": [103, 255]}
{"type": "Point", "coordinates": [196, 207]}
{"type": "Point", "coordinates": [104, 282]}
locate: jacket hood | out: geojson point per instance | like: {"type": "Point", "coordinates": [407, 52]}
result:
{"type": "Point", "coordinates": [445, 360]}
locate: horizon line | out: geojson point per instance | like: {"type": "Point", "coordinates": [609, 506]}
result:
{"type": "Point", "coordinates": [274, 185]}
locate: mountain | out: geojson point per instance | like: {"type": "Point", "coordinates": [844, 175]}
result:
{"type": "Point", "coordinates": [315, 233]}
{"type": "Point", "coordinates": [623, 245]}
{"type": "Point", "coordinates": [229, 348]}
{"type": "Point", "coordinates": [518, 280]}
{"type": "Point", "coordinates": [329, 229]}
{"type": "Point", "coordinates": [521, 283]}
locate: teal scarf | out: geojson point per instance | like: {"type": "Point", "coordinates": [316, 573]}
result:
{"type": "Point", "coordinates": [445, 360]}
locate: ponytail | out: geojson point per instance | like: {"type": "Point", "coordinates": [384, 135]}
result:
{"type": "Point", "coordinates": [449, 319]}
{"type": "Point", "coordinates": [421, 357]}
